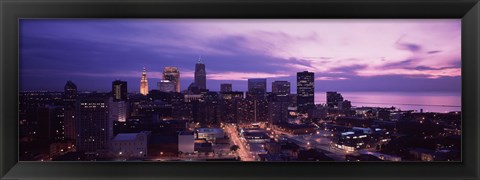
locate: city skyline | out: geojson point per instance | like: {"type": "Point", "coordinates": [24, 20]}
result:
{"type": "Point", "coordinates": [50, 55]}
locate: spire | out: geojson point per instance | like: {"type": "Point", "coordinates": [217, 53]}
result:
{"type": "Point", "coordinates": [144, 82]}
{"type": "Point", "coordinates": [200, 59]}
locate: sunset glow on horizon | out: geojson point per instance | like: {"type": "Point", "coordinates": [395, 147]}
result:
{"type": "Point", "coordinates": [349, 52]}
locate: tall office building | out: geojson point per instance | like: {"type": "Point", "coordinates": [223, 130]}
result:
{"type": "Point", "coordinates": [257, 85]}
{"type": "Point", "coordinates": [119, 90]}
{"type": "Point", "coordinates": [305, 91]}
{"type": "Point", "coordinates": [333, 99]}
{"type": "Point", "coordinates": [172, 74]}
{"type": "Point", "coordinates": [225, 87]}
{"type": "Point", "coordinates": [93, 126]}
{"type": "Point", "coordinates": [200, 75]}
{"type": "Point", "coordinates": [281, 88]}
{"type": "Point", "coordinates": [166, 86]}
{"type": "Point", "coordinates": [117, 110]}
{"type": "Point", "coordinates": [144, 83]}
{"type": "Point", "coordinates": [69, 100]}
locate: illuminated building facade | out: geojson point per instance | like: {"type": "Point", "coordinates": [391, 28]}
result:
{"type": "Point", "coordinates": [166, 86]}
{"type": "Point", "coordinates": [281, 88]}
{"type": "Point", "coordinates": [172, 74]}
{"type": "Point", "coordinates": [119, 90]}
{"type": "Point", "coordinates": [305, 91]}
{"type": "Point", "coordinates": [144, 83]}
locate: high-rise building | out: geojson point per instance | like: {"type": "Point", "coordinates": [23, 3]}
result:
{"type": "Point", "coordinates": [333, 99]}
{"type": "Point", "coordinates": [117, 110]}
{"type": "Point", "coordinates": [281, 88]}
{"type": "Point", "coordinates": [93, 127]}
{"type": "Point", "coordinates": [49, 121]}
{"type": "Point", "coordinates": [200, 75]}
{"type": "Point", "coordinates": [69, 100]}
{"type": "Point", "coordinates": [257, 87]}
{"type": "Point", "coordinates": [305, 91]}
{"type": "Point", "coordinates": [119, 90]}
{"type": "Point", "coordinates": [278, 112]}
{"type": "Point", "coordinates": [166, 86]}
{"type": "Point", "coordinates": [225, 87]}
{"type": "Point", "coordinates": [144, 83]}
{"type": "Point", "coordinates": [172, 74]}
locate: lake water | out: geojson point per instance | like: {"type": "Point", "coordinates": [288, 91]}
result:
{"type": "Point", "coordinates": [428, 101]}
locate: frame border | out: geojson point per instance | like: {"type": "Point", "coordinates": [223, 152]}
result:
{"type": "Point", "coordinates": [12, 10]}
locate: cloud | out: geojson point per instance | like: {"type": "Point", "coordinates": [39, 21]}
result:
{"type": "Point", "coordinates": [433, 52]}
{"type": "Point", "coordinates": [242, 49]}
{"type": "Point", "coordinates": [236, 76]}
{"type": "Point", "coordinates": [323, 78]}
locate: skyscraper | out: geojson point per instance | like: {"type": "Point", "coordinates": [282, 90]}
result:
{"type": "Point", "coordinates": [93, 127]}
{"type": "Point", "coordinates": [257, 85]}
{"type": "Point", "coordinates": [305, 91]}
{"type": "Point", "coordinates": [281, 88]}
{"type": "Point", "coordinates": [200, 75]}
{"type": "Point", "coordinates": [166, 86]}
{"type": "Point", "coordinates": [69, 100]}
{"type": "Point", "coordinates": [172, 74]}
{"type": "Point", "coordinates": [225, 87]}
{"type": "Point", "coordinates": [119, 90]}
{"type": "Point", "coordinates": [144, 83]}
{"type": "Point", "coordinates": [117, 110]}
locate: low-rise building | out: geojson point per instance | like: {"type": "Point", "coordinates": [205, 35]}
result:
{"type": "Point", "coordinates": [186, 142]}
{"type": "Point", "coordinates": [130, 144]}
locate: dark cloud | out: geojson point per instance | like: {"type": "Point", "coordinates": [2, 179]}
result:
{"type": "Point", "coordinates": [433, 52]}
{"type": "Point", "coordinates": [400, 64]}
{"type": "Point", "coordinates": [430, 68]}
{"type": "Point", "coordinates": [54, 51]}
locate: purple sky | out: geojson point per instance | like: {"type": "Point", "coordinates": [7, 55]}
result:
{"type": "Point", "coordinates": [346, 55]}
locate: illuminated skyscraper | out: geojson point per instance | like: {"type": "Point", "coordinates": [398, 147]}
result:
{"type": "Point", "coordinates": [281, 88]}
{"type": "Point", "coordinates": [144, 83]}
{"type": "Point", "coordinates": [166, 86]}
{"type": "Point", "coordinates": [305, 91]}
{"type": "Point", "coordinates": [172, 74]}
{"type": "Point", "coordinates": [117, 106]}
{"type": "Point", "coordinates": [200, 75]}
{"type": "Point", "coordinates": [119, 90]}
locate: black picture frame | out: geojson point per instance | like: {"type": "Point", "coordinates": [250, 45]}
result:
{"type": "Point", "coordinates": [12, 10]}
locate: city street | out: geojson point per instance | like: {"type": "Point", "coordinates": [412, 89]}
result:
{"type": "Point", "coordinates": [243, 152]}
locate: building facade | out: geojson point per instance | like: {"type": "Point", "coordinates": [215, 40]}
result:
{"type": "Point", "coordinates": [305, 91]}
{"type": "Point", "coordinates": [144, 83]}
{"type": "Point", "coordinates": [119, 90]}
{"type": "Point", "coordinates": [130, 144]}
{"type": "Point", "coordinates": [172, 74]}
{"type": "Point", "coordinates": [281, 88]}
{"type": "Point", "coordinates": [200, 75]}
{"type": "Point", "coordinates": [225, 87]}
{"type": "Point", "coordinates": [69, 101]}
{"type": "Point", "coordinates": [166, 86]}
{"type": "Point", "coordinates": [93, 126]}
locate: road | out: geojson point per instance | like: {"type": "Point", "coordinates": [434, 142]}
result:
{"type": "Point", "coordinates": [320, 141]}
{"type": "Point", "coordinates": [243, 152]}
